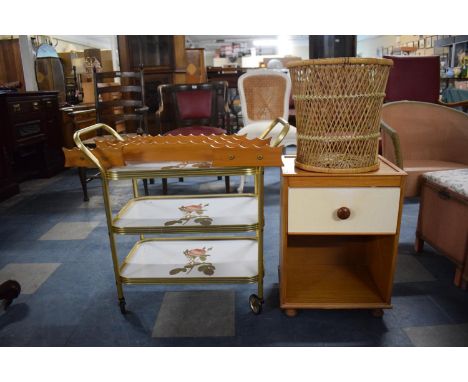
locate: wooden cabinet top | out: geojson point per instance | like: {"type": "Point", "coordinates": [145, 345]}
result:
{"type": "Point", "coordinates": [386, 168]}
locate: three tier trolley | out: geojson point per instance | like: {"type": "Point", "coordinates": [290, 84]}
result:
{"type": "Point", "coordinates": [200, 254]}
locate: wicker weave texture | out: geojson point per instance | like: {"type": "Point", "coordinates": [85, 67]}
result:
{"type": "Point", "coordinates": [264, 96]}
{"type": "Point", "coordinates": [338, 103]}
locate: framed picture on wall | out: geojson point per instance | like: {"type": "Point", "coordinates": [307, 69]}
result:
{"type": "Point", "coordinates": [428, 42]}
{"type": "Point", "coordinates": [444, 60]}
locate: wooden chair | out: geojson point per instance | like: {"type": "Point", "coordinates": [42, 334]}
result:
{"type": "Point", "coordinates": [119, 103]}
{"type": "Point", "coordinates": [193, 109]}
{"type": "Point", "coordinates": [264, 95]}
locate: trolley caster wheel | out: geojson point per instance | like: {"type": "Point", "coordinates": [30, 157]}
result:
{"type": "Point", "coordinates": [122, 306]}
{"type": "Point", "coordinates": [255, 304]}
{"type": "Point", "coordinates": [377, 313]}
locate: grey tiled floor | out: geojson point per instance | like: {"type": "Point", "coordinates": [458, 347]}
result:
{"type": "Point", "coordinates": [57, 246]}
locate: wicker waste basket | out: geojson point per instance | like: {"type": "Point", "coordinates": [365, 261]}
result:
{"type": "Point", "coordinates": [338, 103]}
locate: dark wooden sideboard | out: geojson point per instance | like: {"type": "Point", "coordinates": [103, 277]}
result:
{"type": "Point", "coordinates": [30, 138]}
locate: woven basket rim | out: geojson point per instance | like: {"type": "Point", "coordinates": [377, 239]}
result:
{"type": "Point", "coordinates": [341, 61]}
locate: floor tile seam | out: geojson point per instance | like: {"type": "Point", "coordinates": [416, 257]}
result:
{"type": "Point", "coordinates": [442, 309]}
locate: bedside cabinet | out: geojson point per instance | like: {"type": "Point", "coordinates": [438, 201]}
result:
{"type": "Point", "coordinates": [339, 238]}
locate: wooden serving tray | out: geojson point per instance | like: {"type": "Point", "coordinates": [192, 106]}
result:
{"type": "Point", "coordinates": [220, 150]}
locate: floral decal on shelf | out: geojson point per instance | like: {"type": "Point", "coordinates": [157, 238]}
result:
{"type": "Point", "coordinates": [183, 165]}
{"type": "Point", "coordinates": [195, 213]}
{"type": "Point", "coordinates": [196, 259]}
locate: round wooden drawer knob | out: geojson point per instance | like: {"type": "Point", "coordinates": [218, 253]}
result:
{"type": "Point", "coordinates": [343, 213]}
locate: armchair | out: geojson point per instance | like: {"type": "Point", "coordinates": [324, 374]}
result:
{"type": "Point", "coordinates": [420, 137]}
{"type": "Point", "coordinates": [195, 109]}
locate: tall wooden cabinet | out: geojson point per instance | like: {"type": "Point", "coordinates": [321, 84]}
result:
{"type": "Point", "coordinates": [339, 238]}
{"type": "Point", "coordinates": [196, 69]}
{"type": "Point", "coordinates": [11, 67]}
{"type": "Point", "coordinates": [31, 137]}
{"type": "Point", "coordinates": [164, 62]}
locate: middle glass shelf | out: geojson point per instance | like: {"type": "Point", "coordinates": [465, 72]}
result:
{"type": "Point", "coordinates": [188, 213]}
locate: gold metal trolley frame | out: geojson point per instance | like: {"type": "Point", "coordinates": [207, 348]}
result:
{"type": "Point", "coordinates": [112, 174]}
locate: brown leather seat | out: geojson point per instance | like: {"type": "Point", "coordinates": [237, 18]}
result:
{"type": "Point", "coordinates": [420, 137]}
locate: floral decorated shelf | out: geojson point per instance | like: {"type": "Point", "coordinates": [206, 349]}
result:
{"type": "Point", "coordinates": [190, 213]}
{"type": "Point", "coordinates": [204, 258]}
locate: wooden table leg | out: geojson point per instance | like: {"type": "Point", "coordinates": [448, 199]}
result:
{"type": "Point", "coordinates": [83, 180]}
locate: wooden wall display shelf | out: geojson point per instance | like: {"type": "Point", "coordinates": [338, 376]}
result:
{"type": "Point", "coordinates": [339, 238]}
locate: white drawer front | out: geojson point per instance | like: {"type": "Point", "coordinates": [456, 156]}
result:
{"type": "Point", "coordinates": [314, 210]}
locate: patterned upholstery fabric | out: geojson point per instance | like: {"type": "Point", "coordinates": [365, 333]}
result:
{"type": "Point", "coordinates": [454, 180]}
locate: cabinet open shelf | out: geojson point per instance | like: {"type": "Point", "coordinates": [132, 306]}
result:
{"type": "Point", "coordinates": [332, 286]}
{"type": "Point", "coordinates": [337, 272]}
{"type": "Point", "coordinates": [199, 260]}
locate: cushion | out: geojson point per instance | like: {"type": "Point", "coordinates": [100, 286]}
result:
{"type": "Point", "coordinates": [416, 168]}
{"type": "Point", "coordinates": [196, 130]}
{"type": "Point", "coordinates": [453, 180]}
{"type": "Point", "coordinates": [194, 104]}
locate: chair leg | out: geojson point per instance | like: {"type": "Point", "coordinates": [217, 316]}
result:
{"type": "Point", "coordinates": [220, 177]}
{"type": "Point", "coordinates": [227, 182]}
{"type": "Point", "coordinates": [181, 179]}
{"type": "Point", "coordinates": [145, 186]}
{"type": "Point", "coordinates": [240, 189]}
{"type": "Point", "coordinates": [84, 186]}
{"type": "Point", "coordinates": [164, 186]}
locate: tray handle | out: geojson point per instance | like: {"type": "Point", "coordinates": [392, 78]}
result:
{"type": "Point", "coordinates": [281, 135]}
{"type": "Point", "coordinates": [85, 150]}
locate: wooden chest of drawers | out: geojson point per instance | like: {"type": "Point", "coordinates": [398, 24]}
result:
{"type": "Point", "coordinates": [30, 134]}
{"type": "Point", "coordinates": [339, 237]}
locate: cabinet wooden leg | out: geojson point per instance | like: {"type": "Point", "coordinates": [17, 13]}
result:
{"type": "Point", "coordinates": [418, 244]}
{"type": "Point", "coordinates": [377, 312]}
{"type": "Point", "coordinates": [290, 312]}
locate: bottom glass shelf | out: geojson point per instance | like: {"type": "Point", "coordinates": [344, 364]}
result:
{"type": "Point", "coordinates": [202, 260]}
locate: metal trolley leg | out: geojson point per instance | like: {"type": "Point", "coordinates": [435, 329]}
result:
{"type": "Point", "coordinates": [256, 300]}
